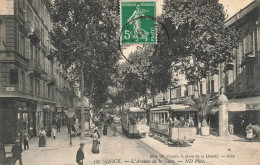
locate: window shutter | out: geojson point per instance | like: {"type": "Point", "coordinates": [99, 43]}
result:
{"type": "Point", "coordinates": [216, 84]}
{"type": "Point", "coordinates": [27, 48]}
{"type": "Point", "coordinates": [26, 83]}
{"type": "Point", "coordinates": [19, 80]}
{"type": "Point", "coordinates": [190, 90]}
{"type": "Point", "coordinates": [204, 89]}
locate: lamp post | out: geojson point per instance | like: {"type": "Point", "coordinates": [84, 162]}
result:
{"type": "Point", "coordinates": [70, 113]}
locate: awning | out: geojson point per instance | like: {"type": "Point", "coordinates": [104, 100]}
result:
{"type": "Point", "coordinates": [23, 108]}
{"type": "Point", "coordinates": [135, 109]}
{"type": "Point", "coordinates": [248, 100]}
{"type": "Point", "coordinates": [244, 104]}
{"type": "Point", "coordinates": [48, 107]}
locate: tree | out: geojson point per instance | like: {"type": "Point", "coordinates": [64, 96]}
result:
{"type": "Point", "coordinates": [146, 73]}
{"type": "Point", "coordinates": [200, 41]}
{"type": "Point", "coordinates": [84, 36]}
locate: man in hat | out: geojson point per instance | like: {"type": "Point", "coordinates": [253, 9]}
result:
{"type": "Point", "coordinates": [80, 154]}
{"type": "Point", "coordinates": [17, 152]}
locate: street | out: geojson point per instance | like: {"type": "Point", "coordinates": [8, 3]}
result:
{"type": "Point", "coordinates": [123, 150]}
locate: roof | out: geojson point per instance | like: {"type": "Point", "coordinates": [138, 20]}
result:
{"type": "Point", "coordinates": [160, 108]}
{"type": "Point", "coordinates": [173, 107]}
{"type": "Point", "coordinates": [250, 7]}
{"type": "Point", "coordinates": [135, 109]}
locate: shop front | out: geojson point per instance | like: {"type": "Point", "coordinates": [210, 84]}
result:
{"type": "Point", "coordinates": [243, 112]}
{"type": "Point", "coordinates": [48, 111]}
{"type": "Point", "coordinates": [14, 119]}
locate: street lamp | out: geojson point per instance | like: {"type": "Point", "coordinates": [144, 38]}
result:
{"type": "Point", "coordinates": [70, 113]}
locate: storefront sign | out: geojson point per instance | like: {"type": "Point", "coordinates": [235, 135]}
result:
{"type": "Point", "coordinates": [236, 107]}
{"type": "Point", "coordinates": [253, 107]}
{"type": "Point", "coordinates": [9, 89]}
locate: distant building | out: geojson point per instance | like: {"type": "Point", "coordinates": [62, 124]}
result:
{"type": "Point", "coordinates": [33, 89]}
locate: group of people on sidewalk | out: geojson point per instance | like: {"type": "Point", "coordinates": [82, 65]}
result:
{"type": "Point", "coordinates": [95, 135]}
{"type": "Point", "coordinates": [95, 146]}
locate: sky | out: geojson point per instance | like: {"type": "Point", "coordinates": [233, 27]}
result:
{"type": "Point", "coordinates": [230, 6]}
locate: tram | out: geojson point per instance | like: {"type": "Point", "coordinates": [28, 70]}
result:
{"type": "Point", "coordinates": [134, 122]}
{"type": "Point", "coordinates": [161, 127]}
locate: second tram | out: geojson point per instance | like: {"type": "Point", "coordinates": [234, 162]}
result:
{"type": "Point", "coordinates": [134, 122]}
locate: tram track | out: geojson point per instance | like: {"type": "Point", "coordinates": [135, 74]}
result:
{"type": "Point", "coordinates": [153, 152]}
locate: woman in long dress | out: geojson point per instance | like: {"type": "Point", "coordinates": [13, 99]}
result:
{"type": "Point", "coordinates": [42, 138]}
{"type": "Point", "coordinates": [95, 137]}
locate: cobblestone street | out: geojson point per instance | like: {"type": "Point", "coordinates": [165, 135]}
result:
{"type": "Point", "coordinates": [124, 150]}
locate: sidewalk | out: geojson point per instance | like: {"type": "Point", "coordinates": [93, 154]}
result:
{"type": "Point", "coordinates": [61, 142]}
{"type": "Point", "coordinates": [119, 148]}
{"type": "Point", "coordinates": [227, 138]}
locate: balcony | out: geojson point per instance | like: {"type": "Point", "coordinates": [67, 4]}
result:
{"type": "Point", "coordinates": [51, 79]}
{"type": "Point", "coordinates": [214, 71]}
{"type": "Point", "coordinates": [21, 14]}
{"type": "Point", "coordinates": [247, 58]}
{"type": "Point", "coordinates": [43, 47]}
{"type": "Point", "coordinates": [228, 66]}
{"type": "Point", "coordinates": [33, 33]}
{"type": "Point", "coordinates": [35, 69]}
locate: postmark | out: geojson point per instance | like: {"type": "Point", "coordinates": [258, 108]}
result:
{"type": "Point", "coordinates": [138, 22]}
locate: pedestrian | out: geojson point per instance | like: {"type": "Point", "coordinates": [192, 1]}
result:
{"type": "Point", "coordinates": [49, 130]}
{"type": "Point", "coordinates": [80, 154]}
{"type": "Point", "coordinates": [58, 124]}
{"type": "Point", "coordinates": [42, 138]}
{"type": "Point", "coordinates": [105, 129]}
{"type": "Point", "coordinates": [17, 152]}
{"type": "Point", "coordinates": [95, 137]}
{"type": "Point", "coordinates": [68, 125]}
{"type": "Point", "coordinates": [26, 139]}
{"type": "Point", "coordinates": [54, 131]}
{"type": "Point", "coordinates": [2, 153]}
{"type": "Point", "coordinates": [114, 128]}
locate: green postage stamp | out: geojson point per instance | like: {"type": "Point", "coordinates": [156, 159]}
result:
{"type": "Point", "coordinates": [138, 24]}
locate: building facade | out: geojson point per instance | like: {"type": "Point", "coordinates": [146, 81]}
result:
{"type": "Point", "coordinates": [240, 79]}
{"type": "Point", "coordinates": [33, 89]}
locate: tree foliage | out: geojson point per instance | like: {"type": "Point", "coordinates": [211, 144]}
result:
{"type": "Point", "coordinates": [199, 38]}
{"type": "Point", "coordinates": [85, 32]}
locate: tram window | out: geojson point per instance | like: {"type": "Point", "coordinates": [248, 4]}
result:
{"type": "Point", "coordinates": [157, 118]}
{"type": "Point", "coordinates": [162, 119]}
